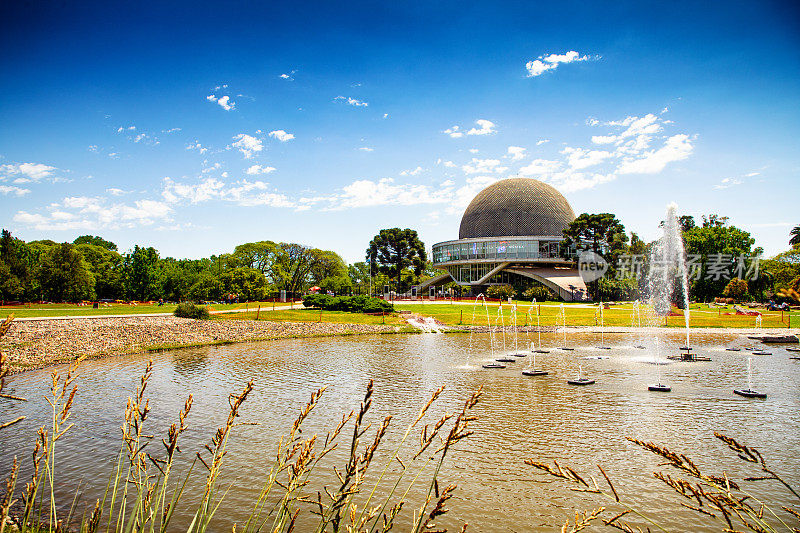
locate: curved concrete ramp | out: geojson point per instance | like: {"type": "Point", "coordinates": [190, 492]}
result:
{"type": "Point", "coordinates": [566, 282]}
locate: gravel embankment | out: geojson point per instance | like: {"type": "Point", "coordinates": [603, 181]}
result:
{"type": "Point", "coordinates": [37, 344]}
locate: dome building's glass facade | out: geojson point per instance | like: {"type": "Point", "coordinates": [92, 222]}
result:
{"type": "Point", "coordinates": [512, 228]}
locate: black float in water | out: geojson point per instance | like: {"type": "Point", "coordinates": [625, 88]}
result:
{"type": "Point", "coordinates": [505, 360]}
{"type": "Point", "coordinates": [566, 348]}
{"type": "Point", "coordinates": [540, 351]}
{"type": "Point", "coordinates": [733, 349]}
{"type": "Point", "coordinates": [762, 353]}
{"type": "Point", "coordinates": [659, 388]}
{"type": "Point", "coordinates": [793, 349]}
{"type": "Point", "coordinates": [535, 372]}
{"type": "Point", "coordinates": [581, 380]}
{"type": "Point", "coordinates": [493, 365]}
{"type": "Point", "coordinates": [640, 347]}
{"type": "Point", "coordinates": [518, 355]}
{"type": "Point", "coordinates": [747, 393]}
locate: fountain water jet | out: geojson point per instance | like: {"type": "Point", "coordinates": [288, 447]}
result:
{"type": "Point", "coordinates": [658, 387]}
{"type": "Point", "coordinates": [749, 392]}
{"type": "Point", "coordinates": [667, 265]}
{"type": "Point", "coordinates": [602, 329]}
{"type": "Point", "coordinates": [564, 322]}
{"type": "Point", "coordinates": [580, 380]}
{"type": "Point", "coordinates": [532, 370]}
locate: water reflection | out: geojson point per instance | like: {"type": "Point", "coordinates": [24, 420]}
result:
{"type": "Point", "coordinates": [520, 417]}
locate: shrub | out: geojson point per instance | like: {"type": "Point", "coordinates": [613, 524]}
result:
{"type": "Point", "coordinates": [189, 310]}
{"type": "Point", "coordinates": [502, 292]}
{"type": "Point", "coordinates": [736, 289]}
{"type": "Point", "coordinates": [350, 304]}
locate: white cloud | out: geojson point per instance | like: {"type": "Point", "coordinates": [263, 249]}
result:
{"type": "Point", "coordinates": [516, 153]}
{"type": "Point", "coordinates": [386, 115]}
{"type": "Point", "coordinates": [93, 148]}
{"type": "Point", "coordinates": [367, 149]}
{"type": "Point", "coordinates": [289, 76]}
{"type": "Point", "coordinates": [570, 181]}
{"type": "Point", "coordinates": [487, 127]}
{"type": "Point", "coordinates": [477, 166]}
{"type": "Point", "coordinates": [247, 144]}
{"type": "Point", "coordinates": [544, 63]}
{"type": "Point", "coordinates": [224, 102]}
{"type": "Point", "coordinates": [115, 191]}
{"type": "Point", "coordinates": [203, 191]}
{"type": "Point", "coordinates": [728, 182]}
{"type": "Point", "coordinates": [85, 212]}
{"type": "Point", "coordinates": [676, 148]}
{"type": "Point", "coordinates": [258, 169]}
{"type": "Point", "coordinates": [113, 155]}
{"type": "Point", "coordinates": [578, 158]}
{"type": "Point", "coordinates": [352, 101]}
{"type": "Point", "coordinates": [603, 139]}
{"type": "Point", "coordinates": [196, 146]}
{"type": "Point", "coordinates": [453, 132]}
{"type": "Point", "coordinates": [10, 189]}
{"type": "Point", "coordinates": [281, 135]}
{"type": "Point", "coordinates": [243, 192]}
{"type": "Point", "coordinates": [122, 129]}
{"type": "Point", "coordinates": [542, 141]}
{"type": "Point", "coordinates": [473, 150]}
{"type": "Point", "coordinates": [541, 168]}
{"type": "Point", "coordinates": [412, 172]}
{"type": "Point", "coordinates": [450, 164]}
{"type": "Point", "coordinates": [368, 193]}
{"type": "Point", "coordinates": [171, 130]}
{"type": "Point", "coordinates": [25, 172]}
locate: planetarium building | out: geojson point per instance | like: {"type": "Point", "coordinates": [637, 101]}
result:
{"type": "Point", "coordinates": [512, 229]}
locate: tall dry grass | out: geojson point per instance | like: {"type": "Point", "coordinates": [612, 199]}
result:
{"type": "Point", "coordinates": [716, 499]}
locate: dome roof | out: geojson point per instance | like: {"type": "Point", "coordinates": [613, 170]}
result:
{"type": "Point", "coordinates": [516, 207]}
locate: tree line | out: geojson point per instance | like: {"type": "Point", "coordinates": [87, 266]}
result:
{"type": "Point", "coordinates": [92, 268]}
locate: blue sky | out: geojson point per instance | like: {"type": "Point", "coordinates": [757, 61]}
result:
{"type": "Point", "coordinates": [195, 127]}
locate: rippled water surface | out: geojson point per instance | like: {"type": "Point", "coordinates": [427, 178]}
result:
{"type": "Point", "coordinates": [519, 417]}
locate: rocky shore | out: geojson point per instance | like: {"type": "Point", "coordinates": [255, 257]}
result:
{"type": "Point", "coordinates": [36, 344]}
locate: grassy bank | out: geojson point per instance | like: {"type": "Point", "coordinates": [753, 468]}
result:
{"type": "Point", "coordinates": [58, 310]}
{"type": "Point", "coordinates": [701, 315]}
{"type": "Point", "coordinates": [314, 315]}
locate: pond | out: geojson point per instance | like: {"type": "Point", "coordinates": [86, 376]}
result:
{"type": "Point", "coordinates": [519, 417]}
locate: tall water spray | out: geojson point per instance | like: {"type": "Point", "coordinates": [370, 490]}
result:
{"type": "Point", "coordinates": [668, 272]}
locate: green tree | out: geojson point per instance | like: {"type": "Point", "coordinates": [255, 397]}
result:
{"type": "Point", "coordinates": [140, 273]}
{"type": "Point", "coordinates": [106, 267]}
{"type": "Point", "coordinates": [686, 222]}
{"type": "Point", "coordinates": [247, 283]}
{"type": "Point", "coordinates": [714, 241]}
{"type": "Point", "coordinates": [292, 268]}
{"type": "Point", "coordinates": [736, 289]}
{"type": "Point", "coordinates": [64, 275]}
{"type": "Point", "coordinates": [395, 249]}
{"type": "Point", "coordinates": [15, 271]}
{"type": "Point", "coordinates": [96, 241]}
{"type": "Point", "coordinates": [600, 233]}
{"type": "Point", "coordinates": [260, 255]}
{"type": "Point", "coordinates": [795, 233]}
{"type": "Point", "coordinates": [207, 287]}
{"type": "Point", "coordinates": [500, 292]}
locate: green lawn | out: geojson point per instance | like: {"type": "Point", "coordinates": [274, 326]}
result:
{"type": "Point", "coordinates": [581, 315]}
{"type": "Point", "coordinates": [314, 315]}
{"type": "Point", "coordinates": [54, 310]}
